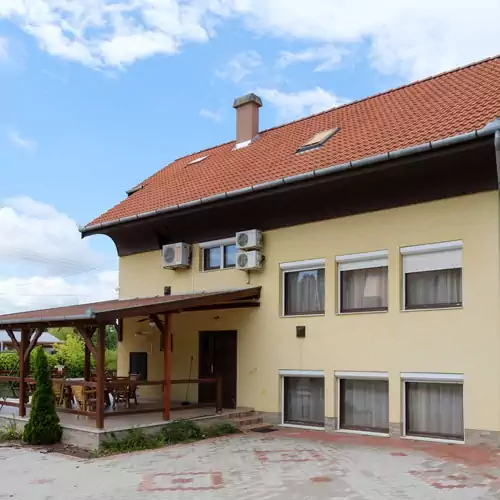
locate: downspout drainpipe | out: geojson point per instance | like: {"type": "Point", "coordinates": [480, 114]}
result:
{"type": "Point", "coordinates": [497, 158]}
{"type": "Point", "coordinates": [497, 154]}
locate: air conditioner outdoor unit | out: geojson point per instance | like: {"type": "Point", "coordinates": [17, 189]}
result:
{"type": "Point", "coordinates": [249, 240]}
{"type": "Point", "coordinates": [249, 261]}
{"type": "Point", "coordinates": [176, 255]}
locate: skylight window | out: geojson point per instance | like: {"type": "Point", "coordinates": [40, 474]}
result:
{"type": "Point", "coordinates": [197, 160]}
{"type": "Point", "coordinates": [317, 140]}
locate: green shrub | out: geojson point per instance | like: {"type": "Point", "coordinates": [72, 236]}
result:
{"type": "Point", "coordinates": [9, 432]}
{"type": "Point", "coordinates": [133, 440]}
{"type": "Point", "coordinates": [181, 431]}
{"type": "Point", "coordinates": [220, 429]}
{"type": "Point", "coordinates": [43, 425]}
{"type": "Point", "coordinates": [110, 360]}
{"type": "Point", "coordinates": [9, 361]}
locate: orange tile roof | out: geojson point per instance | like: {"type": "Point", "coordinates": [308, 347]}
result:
{"type": "Point", "coordinates": [445, 105]}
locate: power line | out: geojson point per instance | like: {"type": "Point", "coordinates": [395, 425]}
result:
{"type": "Point", "coordinates": [73, 274]}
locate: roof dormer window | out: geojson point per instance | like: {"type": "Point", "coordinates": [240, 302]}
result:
{"type": "Point", "coordinates": [317, 140]}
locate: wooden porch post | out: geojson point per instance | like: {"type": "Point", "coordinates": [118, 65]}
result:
{"type": "Point", "coordinates": [167, 365]}
{"type": "Point", "coordinates": [101, 346]}
{"type": "Point", "coordinates": [86, 364]}
{"type": "Point", "coordinates": [23, 370]}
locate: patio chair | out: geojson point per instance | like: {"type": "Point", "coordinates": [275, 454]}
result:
{"type": "Point", "coordinates": [134, 378]}
{"type": "Point", "coordinates": [58, 390]}
{"type": "Point", "coordinates": [120, 392]}
{"type": "Point", "coordinates": [126, 391]}
{"type": "Point", "coordinates": [85, 398]}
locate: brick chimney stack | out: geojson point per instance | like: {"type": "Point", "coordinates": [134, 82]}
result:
{"type": "Point", "coordinates": [247, 117]}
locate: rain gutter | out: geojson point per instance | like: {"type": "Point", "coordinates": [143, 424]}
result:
{"type": "Point", "coordinates": [89, 314]}
{"type": "Point", "coordinates": [489, 129]}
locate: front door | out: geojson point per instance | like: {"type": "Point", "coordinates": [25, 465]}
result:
{"type": "Point", "coordinates": [217, 357]}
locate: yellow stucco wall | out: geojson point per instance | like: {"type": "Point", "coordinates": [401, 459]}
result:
{"type": "Point", "coordinates": [463, 340]}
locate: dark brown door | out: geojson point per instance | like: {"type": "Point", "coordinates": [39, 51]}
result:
{"type": "Point", "coordinates": [217, 357]}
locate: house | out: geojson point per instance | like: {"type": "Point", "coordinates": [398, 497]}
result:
{"type": "Point", "coordinates": [47, 341]}
{"type": "Point", "coordinates": [340, 272]}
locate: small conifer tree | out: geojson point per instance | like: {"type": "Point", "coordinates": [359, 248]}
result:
{"type": "Point", "coordinates": [43, 426]}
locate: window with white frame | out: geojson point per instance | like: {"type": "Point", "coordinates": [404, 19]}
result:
{"type": "Point", "coordinates": [432, 275]}
{"type": "Point", "coordinates": [303, 287]}
{"type": "Point", "coordinates": [363, 281]}
{"type": "Point", "coordinates": [218, 254]}
{"type": "Point", "coordinates": [303, 397]}
{"type": "Point", "coordinates": [433, 405]}
{"type": "Point", "coordinates": [363, 399]}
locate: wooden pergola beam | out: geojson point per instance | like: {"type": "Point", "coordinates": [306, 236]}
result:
{"type": "Point", "coordinates": [32, 344]}
{"type": "Point", "coordinates": [231, 305]}
{"type": "Point", "coordinates": [86, 333]}
{"type": "Point", "coordinates": [12, 337]}
{"type": "Point", "coordinates": [157, 321]}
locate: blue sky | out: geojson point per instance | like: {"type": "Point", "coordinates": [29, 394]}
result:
{"type": "Point", "coordinates": [97, 95]}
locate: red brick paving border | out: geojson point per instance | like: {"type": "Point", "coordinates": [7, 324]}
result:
{"type": "Point", "coordinates": [458, 453]}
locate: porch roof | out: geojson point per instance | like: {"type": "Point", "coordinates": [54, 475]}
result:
{"type": "Point", "coordinates": [112, 310]}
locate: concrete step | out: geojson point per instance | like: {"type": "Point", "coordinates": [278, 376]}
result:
{"type": "Point", "coordinates": [246, 421]}
{"type": "Point", "coordinates": [239, 414]}
{"type": "Point", "coordinates": [255, 427]}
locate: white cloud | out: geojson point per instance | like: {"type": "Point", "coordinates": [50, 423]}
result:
{"type": "Point", "coordinates": [292, 105]}
{"type": "Point", "coordinates": [42, 292]}
{"type": "Point", "coordinates": [240, 66]}
{"type": "Point", "coordinates": [215, 116]}
{"type": "Point", "coordinates": [412, 38]}
{"type": "Point", "coordinates": [328, 56]}
{"type": "Point", "coordinates": [101, 33]}
{"type": "Point", "coordinates": [37, 233]}
{"type": "Point", "coordinates": [4, 49]}
{"type": "Point", "coordinates": [44, 262]}
{"type": "Point", "coordinates": [20, 142]}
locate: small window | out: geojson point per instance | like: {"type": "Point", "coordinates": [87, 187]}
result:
{"type": "Point", "coordinates": [434, 409]}
{"type": "Point", "coordinates": [197, 160]}
{"type": "Point", "coordinates": [432, 276]}
{"type": "Point", "coordinates": [219, 254]}
{"type": "Point", "coordinates": [363, 282]}
{"type": "Point", "coordinates": [317, 140]}
{"type": "Point", "coordinates": [304, 401]}
{"type": "Point", "coordinates": [303, 288]}
{"type": "Point", "coordinates": [364, 405]}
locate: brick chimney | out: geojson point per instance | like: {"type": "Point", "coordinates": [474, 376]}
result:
{"type": "Point", "coordinates": [247, 117]}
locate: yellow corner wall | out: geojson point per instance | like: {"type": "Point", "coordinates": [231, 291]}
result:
{"type": "Point", "coordinates": [463, 340]}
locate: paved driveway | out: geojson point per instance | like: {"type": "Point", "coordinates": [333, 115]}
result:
{"type": "Point", "coordinates": [280, 465]}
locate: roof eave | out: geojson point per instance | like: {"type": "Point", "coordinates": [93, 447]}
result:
{"type": "Point", "coordinates": [489, 129]}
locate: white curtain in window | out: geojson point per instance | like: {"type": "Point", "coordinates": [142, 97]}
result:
{"type": "Point", "coordinates": [305, 400]}
{"type": "Point", "coordinates": [364, 405]}
{"type": "Point", "coordinates": [434, 409]}
{"type": "Point", "coordinates": [305, 292]}
{"type": "Point", "coordinates": [434, 287]}
{"type": "Point", "coordinates": [364, 288]}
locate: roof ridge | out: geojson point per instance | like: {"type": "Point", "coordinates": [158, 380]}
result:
{"type": "Point", "coordinates": [388, 91]}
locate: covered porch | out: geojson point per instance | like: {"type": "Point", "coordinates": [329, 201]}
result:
{"type": "Point", "coordinates": [158, 394]}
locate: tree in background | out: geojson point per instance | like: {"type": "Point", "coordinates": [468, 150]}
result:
{"type": "Point", "coordinates": [62, 332]}
{"type": "Point", "coordinates": [111, 338]}
{"type": "Point", "coordinates": [71, 354]}
{"type": "Point", "coordinates": [43, 426]}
